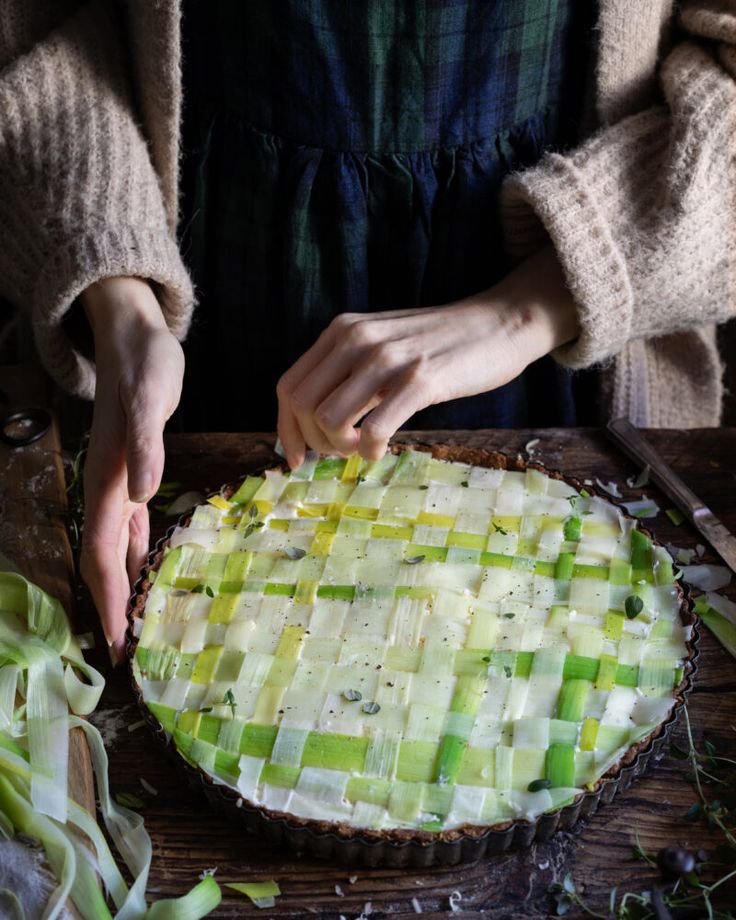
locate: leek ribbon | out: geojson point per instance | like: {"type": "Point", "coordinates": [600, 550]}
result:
{"type": "Point", "coordinates": [42, 665]}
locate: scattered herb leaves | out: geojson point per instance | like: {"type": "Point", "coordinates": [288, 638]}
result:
{"type": "Point", "coordinates": [229, 700]}
{"type": "Point", "coordinates": [536, 785]}
{"type": "Point", "coordinates": [633, 606]}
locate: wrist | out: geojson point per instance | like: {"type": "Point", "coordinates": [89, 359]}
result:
{"type": "Point", "coordinates": [537, 292]}
{"type": "Point", "coordinates": [532, 306]}
{"type": "Point", "coordinates": [119, 307]}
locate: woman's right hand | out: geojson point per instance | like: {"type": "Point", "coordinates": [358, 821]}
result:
{"type": "Point", "coordinates": [140, 366]}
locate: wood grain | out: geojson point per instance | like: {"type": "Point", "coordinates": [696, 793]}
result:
{"type": "Point", "coordinates": [32, 531]}
{"type": "Point", "coordinates": [189, 838]}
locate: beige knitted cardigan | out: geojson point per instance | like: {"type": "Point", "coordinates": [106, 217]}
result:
{"type": "Point", "coordinates": [643, 215]}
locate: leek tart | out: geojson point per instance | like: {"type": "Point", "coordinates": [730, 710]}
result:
{"type": "Point", "coordinates": [432, 645]}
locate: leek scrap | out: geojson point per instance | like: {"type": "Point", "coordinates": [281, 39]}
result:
{"type": "Point", "coordinates": [40, 656]}
{"type": "Point", "coordinates": [262, 894]}
{"type": "Point", "coordinates": [722, 628]}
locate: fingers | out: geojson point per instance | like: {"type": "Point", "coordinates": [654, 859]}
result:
{"type": "Point", "coordinates": [104, 546]}
{"type": "Point", "coordinates": [404, 398]}
{"type": "Point", "coordinates": [147, 398]}
{"type": "Point", "coordinates": [138, 536]}
{"type": "Point", "coordinates": [145, 448]}
{"type": "Point", "coordinates": [349, 402]}
{"type": "Point", "coordinates": [293, 438]}
{"type": "Point", "coordinates": [317, 374]}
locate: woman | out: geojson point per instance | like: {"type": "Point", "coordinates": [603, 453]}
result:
{"type": "Point", "coordinates": [624, 244]}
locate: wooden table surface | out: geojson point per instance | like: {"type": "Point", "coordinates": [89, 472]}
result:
{"type": "Point", "coordinates": [188, 838]}
{"type": "Point", "coordinates": [33, 533]}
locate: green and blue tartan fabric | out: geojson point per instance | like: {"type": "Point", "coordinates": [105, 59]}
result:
{"type": "Point", "coordinates": [346, 155]}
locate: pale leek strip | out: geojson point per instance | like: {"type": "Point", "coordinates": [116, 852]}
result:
{"type": "Point", "coordinates": [83, 697]}
{"type": "Point", "coordinates": [48, 737]}
{"type": "Point", "coordinates": [8, 686]}
{"type": "Point", "coordinates": [59, 851]}
{"type": "Point", "coordinates": [18, 909]}
{"type": "Point", "coordinates": [6, 827]}
{"type": "Point", "coordinates": [124, 826]}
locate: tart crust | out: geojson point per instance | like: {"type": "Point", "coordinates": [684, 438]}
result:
{"type": "Point", "coordinates": [301, 833]}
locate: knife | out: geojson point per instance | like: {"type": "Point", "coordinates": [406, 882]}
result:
{"type": "Point", "coordinates": [633, 443]}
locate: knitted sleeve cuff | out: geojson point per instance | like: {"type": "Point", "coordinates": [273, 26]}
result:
{"type": "Point", "coordinates": [84, 259]}
{"type": "Point", "coordinates": [554, 201]}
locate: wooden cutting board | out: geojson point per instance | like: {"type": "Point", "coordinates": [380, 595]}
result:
{"type": "Point", "coordinates": [32, 531]}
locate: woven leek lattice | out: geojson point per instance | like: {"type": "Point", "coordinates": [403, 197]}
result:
{"type": "Point", "coordinates": [409, 643]}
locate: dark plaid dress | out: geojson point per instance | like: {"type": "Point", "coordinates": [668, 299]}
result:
{"type": "Point", "coordinates": [346, 155]}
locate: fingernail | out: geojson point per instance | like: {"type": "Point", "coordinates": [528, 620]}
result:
{"type": "Point", "coordinates": [143, 492]}
{"type": "Point", "coordinates": [117, 651]}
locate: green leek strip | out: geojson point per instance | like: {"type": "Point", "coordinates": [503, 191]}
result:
{"type": "Point", "coordinates": [572, 699]}
{"type": "Point", "coordinates": [59, 851]}
{"type": "Point", "coordinates": [641, 556]}
{"type": "Point", "coordinates": [723, 629]}
{"type": "Point", "coordinates": [247, 490]}
{"type": "Point", "coordinates": [560, 765]}
{"type": "Point", "coordinates": [257, 891]}
{"type": "Point", "coordinates": [572, 528]}
{"type": "Point", "coordinates": [199, 902]}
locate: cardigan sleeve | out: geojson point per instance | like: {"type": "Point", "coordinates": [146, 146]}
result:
{"type": "Point", "coordinates": [643, 215]}
{"type": "Point", "coordinates": [79, 197]}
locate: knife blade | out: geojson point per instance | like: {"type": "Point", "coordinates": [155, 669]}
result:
{"type": "Point", "coordinates": [633, 443]}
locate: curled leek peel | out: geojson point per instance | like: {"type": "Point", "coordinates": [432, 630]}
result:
{"type": "Point", "coordinates": [45, 685]}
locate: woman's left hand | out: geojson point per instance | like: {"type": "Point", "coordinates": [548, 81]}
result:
{"type": "Point", "coordinates": [384, 367]}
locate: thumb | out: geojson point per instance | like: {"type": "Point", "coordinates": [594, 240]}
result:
{"type": "Point", "coordinates": [145, 447]}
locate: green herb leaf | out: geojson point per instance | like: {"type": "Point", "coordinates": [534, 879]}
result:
{"type": "Point", "coordinates": [633, 606]}
{"type": "Point", "coordinates": [536, 785]}
{"type": "Point", "coordinates": [507, 670]}
{"type": "Point", "coordinates": [295, 552]}
{"type": "Point", "coordinates": [499, 529]}
{"type": "Point", "coordinates": [253, 511]}
{"type": "Point", "coordinates": [694, 812]}
{"type": "Point", "coordinates": [423, 488]}
{"type": "Point", "coordinates": [353, 696]}
{"type": "Point", "coordinates": [509, 616]}
{"type": "Point", "coordinates": [465, 484]}
{"type": "Point", "coordinates": [370, 708]}
{"type": "Point", "coordinates": [229, 700]}
{"type": "Point", "coordinates": [414, 560]}
{"type": "Point", "coordinates": [678, 752]}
